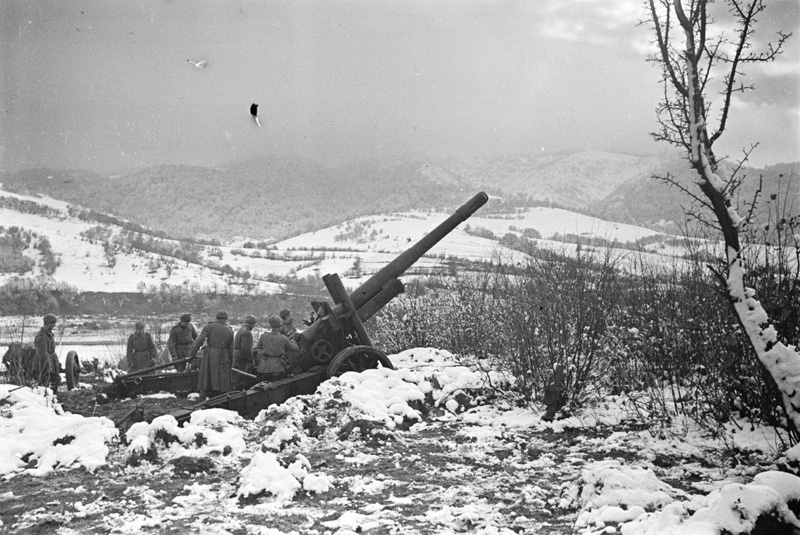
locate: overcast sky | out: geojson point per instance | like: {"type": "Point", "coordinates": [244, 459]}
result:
{"type": "Point", "coordinates": [106, 85]}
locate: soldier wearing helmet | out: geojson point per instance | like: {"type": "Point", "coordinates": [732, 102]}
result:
{"type": "Point", "coordinates": [46, 365]}
{"type": "Point", "coordinates": [215, 366]}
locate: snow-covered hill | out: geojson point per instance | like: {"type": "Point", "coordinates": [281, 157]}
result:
{"type": "Point", "coordinates": [109, 257]}
{"type": "Point", "coordinates": [82, 258]}
{"type": "Point", "coordinates": [377, 240]}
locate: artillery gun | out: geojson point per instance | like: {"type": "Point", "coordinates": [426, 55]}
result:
{"type": "Point", "coordinates": [336, 340]}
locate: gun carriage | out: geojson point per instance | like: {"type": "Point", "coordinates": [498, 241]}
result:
{"type": "Point", "coordinates": [334, 342]}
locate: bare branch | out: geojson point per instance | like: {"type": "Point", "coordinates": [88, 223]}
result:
{"type": "Point", "coordinates": [685, 24]}
{"type": "Point", "coordinates": [672, 182]}
{"type": "Point", "coordinates": [756, 195]}
{"type": "Point", "coordinates": [704, 220]}
{"type": "Point", "coordinates": [744, 38]}
{"type": "Point", "coordinates": [662, 38]}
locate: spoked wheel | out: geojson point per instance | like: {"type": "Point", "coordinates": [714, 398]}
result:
{"type": "Point", "coordinates": [321, 351]}
{"type": "Point", "coordinates": [358, 359]}
{"type": "Point", "coordinates": [72, 370]}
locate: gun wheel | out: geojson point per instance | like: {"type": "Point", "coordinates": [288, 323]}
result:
{"type": "Point", "coordinates": [321, 351]}
{"type": "Point", "coordinates": [72, 370]}
{"type": "Point", "coordinates": [357, 359]}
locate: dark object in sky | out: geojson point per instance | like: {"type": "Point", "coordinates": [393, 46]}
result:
{"type": "Point", "coordinates": [254, 113]}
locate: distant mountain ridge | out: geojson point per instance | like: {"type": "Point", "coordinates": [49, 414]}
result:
{"type": "Point", "coordinates": [573, 180]}
{"type": "Point", "coordinates": [652, 203]}
{"type": "Point", "coordinates": [272, 199]}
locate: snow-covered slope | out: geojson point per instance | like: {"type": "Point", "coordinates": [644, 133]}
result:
{"type": "Point", "coordinates": [354, 249]}
{"type": "Point", "coordinates": [82, 261]}
{"type": "Point", "coordinates": [378, 239]}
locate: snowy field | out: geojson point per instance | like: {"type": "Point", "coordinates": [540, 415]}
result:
{"type": "Point", "coordinates": [420, 449]}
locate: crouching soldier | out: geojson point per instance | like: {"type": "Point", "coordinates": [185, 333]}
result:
{"type": "Point", "coordinates": [272, 350]}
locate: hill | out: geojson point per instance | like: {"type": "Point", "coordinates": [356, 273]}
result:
{"type": "Point", "coordinates": [43, 237]}
{"type": "Point", "coordinates": [654, 204]}
{"type": "Point", "coordinates": [263, 199]}
{"type": "Point", "coordinates": [275, 199]}
{"type": "Point", "coordinates": [570, 180]}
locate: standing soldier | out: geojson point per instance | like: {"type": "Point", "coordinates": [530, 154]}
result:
{"type": "Point", "coordinates": [288, 329]}
{"type": "Point", "coordinates": [46, 362]}
{"type": "Point", "coordinates": [273, 348]}
{"type": "Point", "coordinates": [215, 367]}
{"type": "Point", "coordinates": [180, 340]}
{"type": "Point", "coordinates": [243, 353]}
{"type": "Point", "coordinates": [142, 352]}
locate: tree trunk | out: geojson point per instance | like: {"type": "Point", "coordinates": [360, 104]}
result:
{"type": "Point", "coordinates": [781, 361]}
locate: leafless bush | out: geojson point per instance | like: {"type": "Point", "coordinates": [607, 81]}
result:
{"type": "Point", "coordinates": [564, 307]}
{"type": "Point", "coordinates": [519, 320]}
{"type": "Point", "coordinates": [661, 332]}
{"type": "Point", "coordinates": [417, 319]}
{"type": "Point", "coordinates": [772, 258]}
{"type": "Point", "coordinates": [677, 338]}
{"type": "Point", "coordinates": [116, 347]}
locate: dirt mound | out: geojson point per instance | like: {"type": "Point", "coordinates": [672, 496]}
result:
{"type": "Point", "coordinates": [123, 412]}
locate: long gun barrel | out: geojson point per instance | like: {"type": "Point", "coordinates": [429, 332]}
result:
{"type": "Point", "coordinates": [326, 336]}
{"type": "Point", "coordinates": [364, 293]}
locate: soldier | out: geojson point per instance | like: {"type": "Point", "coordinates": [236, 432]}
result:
{"type": "Point", "coordinates": [215, 367]}
{"type": "Point", "coordinates": [273, 348]}
{"type": "Point", "coordinates": [46, 365]}
{"type": "Point", "coordinates": [554, 397]}
{"type": "Point", "coordinates": [243, 353]}
{"type": "Point", "coordinates": [142, 352]}
{"type": "Point", "coordinates": [180, 341]}
{"type": "Point", "coordinates": [288, 329]}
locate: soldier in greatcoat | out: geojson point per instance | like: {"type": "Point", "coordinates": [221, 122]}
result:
{"type": "Point", "coordinates": [46, 366]}
{"type": "Point", "coordinates": [181, 337]}
{"type": "Point", "coordinates": [243, 353]}
{"type": "Point", "coordinates": [141, 352]}
{"type": "Point", "coordinates": [215, 366]}
{"type": "Point", "coordinates": [273, 348]}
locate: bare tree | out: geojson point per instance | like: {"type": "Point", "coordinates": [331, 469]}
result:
{"type": "Point", "coordinates": [702, 72]}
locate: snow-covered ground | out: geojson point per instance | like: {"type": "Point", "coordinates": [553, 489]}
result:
{"type": "Point", "coordinates": [371, 452]}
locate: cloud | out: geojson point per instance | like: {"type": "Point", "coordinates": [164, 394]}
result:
{"type": "Point", "coordinates": [781, 68]}
{"type": "Point", "coordinates": [773, 128]}
{"type": "Point", "coordinates": [594, 22]}
{"type": "Point", "coordinates": [563, 30]}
